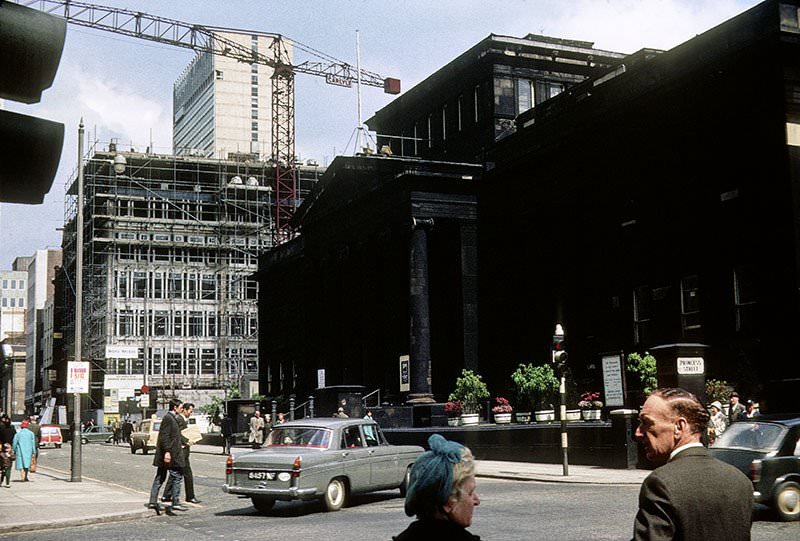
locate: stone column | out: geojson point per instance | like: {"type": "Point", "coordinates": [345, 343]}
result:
{"type": "Point", "coordinates": [419, 313]}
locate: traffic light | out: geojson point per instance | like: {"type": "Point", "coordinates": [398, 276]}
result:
{"type": "Point", "coordinates": [30, 51]}
{"type": "Point", "coordinates": [559, 351]}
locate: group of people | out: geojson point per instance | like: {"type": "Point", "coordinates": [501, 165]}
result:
{"type": "Point", "coordinates": [720, 421]}
{"type": "Point", "coordinates": [172, 460]}
{"type": "Point", "coordinates": [18, 449]}
{"type": "Point", "coordinates": [259, 428]}
{"type": "Point", "coordinates": [689, 496]}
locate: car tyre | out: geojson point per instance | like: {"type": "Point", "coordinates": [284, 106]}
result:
{"type": "Point", "coordinates": [144, 448]}
{"type": "Point", "coordinates": [58, 446]}
{"type": "Point", "coordinates": [84, 441]}
{"type": "Point", "coordinates": [263, 504]}
{"type": "Point", "coordinates": [787, 501]}
{"type": "Point", "coordinates": [335, 495]}
{"type": "Point", "coordinates": [133, 449]}
{"type": "Point", "coordinates": [405, 483]}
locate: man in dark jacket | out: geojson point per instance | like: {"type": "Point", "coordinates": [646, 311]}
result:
{"type": "Point", "coordinates": [168, 458]}
{"type": "Point", "coordinates": [227, 433]}
{"type": "Point", "coordinates": [7, 431]}
{"type": "Point", "coordinates": [188, 477]}
{"type": "Point", "coordinates": [692, 496]}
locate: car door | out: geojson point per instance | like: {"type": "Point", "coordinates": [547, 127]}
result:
{"type": "Point", "coordinates": [355, 458]}
{"type": "Point", "coordinates": [384, 460]}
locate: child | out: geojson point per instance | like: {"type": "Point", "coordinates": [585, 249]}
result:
{"type": "Point", "coordinates": [6, 462]}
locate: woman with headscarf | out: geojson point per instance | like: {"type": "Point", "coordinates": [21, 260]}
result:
{"type": "Point", "coordinates": [441, 493]}
{"type": "Point", "coordinates": [24, 446]}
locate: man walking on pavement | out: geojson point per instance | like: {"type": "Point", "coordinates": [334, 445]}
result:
{"type": "Point", "coordinates": [692, 496]}
{"type": "Point", "coordinates": [227, 433]}
{"type": "Point", "coordinates": [188, 478]}
{"type": "Point", "coordinates": [169, 459]}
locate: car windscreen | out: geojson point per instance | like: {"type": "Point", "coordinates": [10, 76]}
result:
{"type": "Point", "coordinates": [299, 436]}
{"type": "Point", "coordinates": [751, 436]}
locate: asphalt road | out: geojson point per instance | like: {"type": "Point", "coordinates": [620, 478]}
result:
{"type": "Point", "coordinates": [509, 510]}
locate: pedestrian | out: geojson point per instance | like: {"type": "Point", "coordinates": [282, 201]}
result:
{"type": "Point", "coordinates": [7, 432]}
{"type": "Point", "coordinates": [227, 433]}
{"type": "Point", "coordinates": [368, 416]}
{"type": "Point", "coordinates": [691, 495]}
{"type": "Point", "coordinates": [168, 459]}
{"type": "Point", "coordinates": [24, 446]}
{"type": "Point", "coordinates": [718, 422]}
{"type": "Point", "coordinates": [341, 414]}
{"type": "Point", "coordinates": [188, 478]}
{"type": "Point", "coordinates": [281, 419]}
{"type": "Point", "coordinates": [6, 462]}
{"type": "Point", "coordinates": [256, 430]}
{"type": "Point", "coordinates": [736, 409]}
{"type": "Point", "coordinates": [127, 428]}
{"type": "Point", "coordinates": [441, 493]}
{"type": "Point", "coordinates": [751, 410]}
{"type": "Point", "coordinates": [116, 430]}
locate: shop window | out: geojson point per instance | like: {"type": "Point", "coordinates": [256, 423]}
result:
{"type": "Point", "coordinates": [642, 313]}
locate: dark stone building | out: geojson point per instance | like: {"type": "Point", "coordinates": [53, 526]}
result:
{"type": "Point", "coordinates": [654, 203]}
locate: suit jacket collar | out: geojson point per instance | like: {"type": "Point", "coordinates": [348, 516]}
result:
{"type": "Point", "coordinates": [690, 451]}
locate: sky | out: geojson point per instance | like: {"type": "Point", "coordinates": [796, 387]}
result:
{"type": "Point", "coordinates": [122, 87]}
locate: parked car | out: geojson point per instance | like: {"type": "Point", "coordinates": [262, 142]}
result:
{"type": "Point", "coordinates": [50, 435]}
{"type": "Point", "coordinates": [768, 451]}
{"type": "Point", "coordinates": [145, 436]}
{"type": "Point", "coordinates": [97, 433]}
{"type": "Point", "coordinates": [327, 459]}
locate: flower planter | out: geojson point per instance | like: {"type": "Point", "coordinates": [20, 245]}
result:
{"type": "Point", "coordinates": [590, 415]}
{"type": "Point", "coordinates": [469, 419]}
{"type": "Point", "coordinates": [523, 416]}
{"type": "Point", "coordinates": [452, 421]}
{"type": "Point", "coordinates": [502, 418]}
{"type": "Point", "coordinates": [573, 415]}
{"type": "Point", "coordinates": [545, 416]}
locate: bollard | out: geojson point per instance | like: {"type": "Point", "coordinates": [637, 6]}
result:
{"type": "Point", "coordinates": [311, 406]}
{"type": "Point", "coordinates": [291, 408]}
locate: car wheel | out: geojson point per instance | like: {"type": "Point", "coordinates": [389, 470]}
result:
{"type": "Point", "coordinates": [787, 500]}
{"type": "Point", "coordinates": [133, 449]}
{"type": "Point", "coordinates": [335, 495]}
{"type": "Point", "coordinates": [84, 441]}
{"type": "Point", "coordinates": [405, 483]}
{"type": "Point", "coordinates": [144, 448]}
{"type": "Point", "coordinates": [58, 446]}
{"type": "Point", "coordinates": [263, 504]}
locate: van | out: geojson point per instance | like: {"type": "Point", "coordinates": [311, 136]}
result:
{"type": "Point", "coordinates": [146, 436]}
{"type": "Point", "coordinates": [50, 435]}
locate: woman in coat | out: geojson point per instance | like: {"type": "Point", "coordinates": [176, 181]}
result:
{"type": "Point", "coordinates": [24, 446]}
{"type": "Point", "coordinates": [441, 493]}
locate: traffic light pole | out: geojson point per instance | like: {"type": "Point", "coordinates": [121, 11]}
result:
{"type": "Point", "coordinates": [559, 361]}
{"type": "Point", "coordinates": [75, 457]}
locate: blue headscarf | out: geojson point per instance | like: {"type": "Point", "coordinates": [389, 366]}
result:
{"type": "Point", "coordinates": [432, 477]}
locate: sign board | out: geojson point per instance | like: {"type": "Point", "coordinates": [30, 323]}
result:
{"type": "Point", "coordinates": [78, 376]}
{"type": "Point", "coordinates": [405, 374]}
{"type": "Point", "coordinates": [321, 378]}
{"type": "Point", "coordinates": [122, 352]}
{"type": "Point", "coordinates": [337, 80]}
{"type": "Point", "coordinates": [691, 365]}
{"type": "Point", "coordinates": [612, 380]}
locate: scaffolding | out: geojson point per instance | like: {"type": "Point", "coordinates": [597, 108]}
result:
{"type": "Point", "coordinates": [170, 249]}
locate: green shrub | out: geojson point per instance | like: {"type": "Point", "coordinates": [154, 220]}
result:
{"type": "Point", "coordinates": [644, 367]}
{"type": "Point", "coordinates": [470, 390]}
{"type": "Point", "coordinates": [536, 385]}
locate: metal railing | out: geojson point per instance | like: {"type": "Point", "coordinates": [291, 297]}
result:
{"type": "Point", "coordinates": [367, 396]}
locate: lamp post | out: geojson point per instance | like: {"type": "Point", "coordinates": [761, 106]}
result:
{"type": "Point", "coordinates": [75, 455]}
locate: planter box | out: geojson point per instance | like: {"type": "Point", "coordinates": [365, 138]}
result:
{"type": "Point", "coordinates": [573, 415]}
{"type": "Point", "coordinates": [452, 421]}
{"type": "Point", "coordinates": [502, 418]}
{"type": "Point", "coordinates": [545, 416]}
{"type": "Point", "coordinates": [591, 415]}
{"type": "Point", "coordinates": [468, 419]}
{"type": "Point", "coordinates": [523, 416]}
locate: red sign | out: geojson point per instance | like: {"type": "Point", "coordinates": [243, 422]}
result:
{"type": "Point", "coordinates": [145, 389]}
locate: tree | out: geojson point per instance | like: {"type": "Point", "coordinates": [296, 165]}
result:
{"type": "Point", "coordinates": [644, 367]}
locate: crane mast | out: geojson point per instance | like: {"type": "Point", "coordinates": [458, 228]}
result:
{"type": "Point", "coordinates": [204, 39]}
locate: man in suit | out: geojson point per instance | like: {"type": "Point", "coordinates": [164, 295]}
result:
{"type": "Point", "coordinates": [183, 422]}
{"type": "Point", "coordinates": [736, 409]}
{"type": "Point", "coordinates": [692, 496]}
{"type": "Point", "coordinates": [168, 459]}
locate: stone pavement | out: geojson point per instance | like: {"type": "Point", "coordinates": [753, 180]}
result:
{"type": "Point", "coordinates": [91, 501]}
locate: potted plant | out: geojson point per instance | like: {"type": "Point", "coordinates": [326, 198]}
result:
{"type": "Point", "coordinates": [453, 410]}
{"type": "Point", "coordinates": [535, 387]}
{"type": "Point", "coordinates": [470, 390]}
{"type": "Point", "coordinates": [502, 411]}
{"type": "Point", "coordinates": [590, 406]}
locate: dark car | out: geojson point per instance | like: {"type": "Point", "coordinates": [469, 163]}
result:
{"type": "Point", "coordinates": [97, 433]}
{"type": "Point", "coordinates": [768, 451]}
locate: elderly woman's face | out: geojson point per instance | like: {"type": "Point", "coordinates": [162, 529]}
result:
{"type": "Point", "coordinates": [460, 511]}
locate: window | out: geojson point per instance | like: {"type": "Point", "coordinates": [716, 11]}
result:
{"type": "Point", "coordinates": [690, 303]}
{"type": "Point", "coordinates": [254, 91]}
{"type": "Point", "coordinates": [13, 302]}
{"type": "Point", "coordinates": [5, 284]}
{"type": "Point", "coordinates": [416, 150]}
{"type": "Point", "coordinates": [212, 324]}
{"type": "Point", "coordinates": [460, 110]}
{"type": "Point", "coordinates": [218, 75]}
{"type": "Point", "coordinates": [504, 96]}
{"type": "Point", "coordinates": [175, 285]}
{"type": "Point", "coordinates": [351, 437]}
{"type": "Point", "coordinates": [475, 94]}
{"type": "Point", "coordinates": [158, 285]}
{"type": "Point", "coordinates": [174, 362]}
{"type": "Point", "coordinates": [444, 123]}
{"type": "Point", "coordinates": [139, 284]}
{"type": "Point", "coordinates": [22, 284]}
{"type": "Point", "coordinates": [546, 90]}
{"type": "Point", "coordinates": [160, 323]}
{"type": "Point", "coordinates": [642, 313]}
{"type": "Point", "coordinates": [13, 284]}
{"type": "Point", "coordinates": [124, 323]}
{"type": "Point", "coordinates": [209, 287]}
{"type": "Point", "coordinates": [21, 303]}
{"type": "Point", "coordinates": [195, 323]}
{"type": "Point", "coordinates": [237, 325]}
{"type": "Point", "coordinates": [744, 299]}
{"type": "Point", "coordinates": [524, 95]}
{"type": "Point", "coordinates": [208, 361]}
{"type": "Point", "coordinates": [254, 79]}
{"type": "Point", "coordinates": [191, 282]}
{"type": "Point", "coordinates": [430, 131]}
{"type": "Point", "coordinates": [5, 302]}
{"type": "Point", "coordinates": [178, 324]}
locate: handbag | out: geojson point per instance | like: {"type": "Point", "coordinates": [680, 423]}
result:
{"type": "Point", "coordinates": [33, 463]}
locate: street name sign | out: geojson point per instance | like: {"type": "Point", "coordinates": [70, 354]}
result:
{"type": "Point", "coordinates": [690, 365]}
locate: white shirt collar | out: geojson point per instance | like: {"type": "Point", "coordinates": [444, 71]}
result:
{"type": "Point", "coordinates": [683, 447]}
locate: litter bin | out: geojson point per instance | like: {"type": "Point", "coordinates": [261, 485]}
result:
{"type": "Point", "coordinates": [626, 448]}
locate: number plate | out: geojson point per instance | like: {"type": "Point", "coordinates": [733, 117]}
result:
{"type": "Point", "coordinates": [268, 475]}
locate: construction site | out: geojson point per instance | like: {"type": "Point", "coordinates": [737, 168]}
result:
{"type": "Point", "coordinates": [170, 247]}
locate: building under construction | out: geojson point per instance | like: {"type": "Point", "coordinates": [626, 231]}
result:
{"type": "Point", "coordinates": [170, 246]}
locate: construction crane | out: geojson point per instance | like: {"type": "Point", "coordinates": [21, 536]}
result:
{"type": "Point", "coordinates": [203, 39]}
